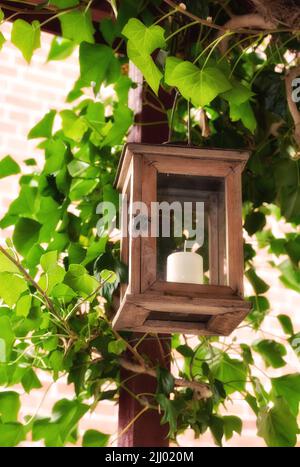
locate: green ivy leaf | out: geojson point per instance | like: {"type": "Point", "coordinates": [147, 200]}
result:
{"type": "Point", "coordinates": [26, 37]}
{"type": "Point", "coordinates": [199, 86]}
{"type": "Point", "coordinates": [23, 206]}
{"type": "Point", "coordinates": [6, 265]}
{"type": "Point", "coordinates": [23, 305]}
{"type": "Point", "coordinates": [288, 387]}
{"type": "Point", "coordinates": [90, 58]}
{"type": "Point", "coordinates": [8, 167]}
{"type": "Point", "coordinates": [271, 351]}
{"type": "Point", "coordinates": [94, 439]}
{"type": "Point", "coordinates": [80, 188]}
{"type": "Point", "coordinates": [240, 108]}
{"type": "Point", "coordinates": [286, 324]}
{"type": "Point", "coordinates": [108, 276]}
{"type": "Point", "coordinates": [63, 293]}
{"type": "Point", "coordinates": [245, 113]}
{"type": "Point", "coordinates": [11, 287]}
{"type": "Point", "coordinates": [67, 414]}
{"type": "Point", "coordinates": [292, 247]}
{"type": "Point", "coordinates": [232, 424]}
{"type": "Point", "coordinates": [77, 26]}
{"type": "Point", "coordinates": [238, 94]}
{"type": "Point", "coordinates": [53, 273]}
{"type": "Point", "coordinates": [171, 412]}
{"type": "Point", "coordinates": [111, 27]}
{"type": "Point", "coordinates": [2, 40]}
{"type": "Point", "coordinates": [123, 117]}
{"type": "Point", "coordinates": [26, 234]}
{"type": "Point", "coordinates": [289, 198]}
{"type": "Point", "coordinates": [259, 286]}
{"type": "Point", "coordinates": [254, 221]}
{"type": "Point", "coordinates": [165, 381]}
{"type": "Point", "coordinates": [260, 308]}
{"type": "Point", "coordinates": [44, 429]}
{"type": "Point", "coordinates": [290, 275]}
{"type": "Point", "coordinates": [231, 372]}
{"type": "Point", "coordinates": [55, 150]}
{"type": "Point", "coordinates": [170, 65]}
{"type": "Point", "coordinates": [60, 49]}
{"type": "Point", "coordinates": [95, 115]}
{"type": "Point", "coordinates": [73, 127]}
{"type": "Point", "coordinates": [7, 338]}
{"type": "Point", "coordinates": [142, 42]}
{"type": "Point", "coordinates": [116, 347]}
{"type": "Point", "coordinates": [277, 426]}
{"type": "Point", "coordinates": [11, 434]}
{"type": "Point", "coordinates": [247, 354]}
{"type": "Point", "coordinates": [56, 360]}
{"type": "Point", "coordinates": [43, 129]}
{"type": "Point", "coordinates": [80, 281]}
{"type": "Point", "coordinates": [9, 406]}
{"type": "Point", "coordinates": [216, 426]}
{"type": "Point", "coordinates": [30, 380]}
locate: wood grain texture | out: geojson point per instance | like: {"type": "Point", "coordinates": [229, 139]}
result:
{"type": "Point", "coordinates": [129, 316]}
{"type": "Point", "coordinates": [190, 152]}
{"type": "Point", "coordinates": [148, 244]}
{"type": "Point", "coordinates": [192, 290]}
{"type": "Point", "coordinates": [190, 166]}
{"type": "Point", "coordinates": [124, 244]}
{"type": "Point", "coordinates": [155, 326]}
{"type": "Point", "coordinates": [184, 304]}
{"type": "Point", "coordinates": [234, 235]}
{"type": "Point", "coordinates": [135, 242]}
{"type": "Point", "coordinates": [227, 323]}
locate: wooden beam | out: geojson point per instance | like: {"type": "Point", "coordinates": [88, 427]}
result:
{"type": "Point", "coordinates": [147, 430]}
{"type": "Point", "coordinates": [28, 11]}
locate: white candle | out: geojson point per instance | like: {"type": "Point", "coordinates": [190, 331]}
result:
{"type": "Point", "coordinates": [186, 267]}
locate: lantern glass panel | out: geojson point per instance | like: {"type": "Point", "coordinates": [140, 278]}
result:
{"type": "Point", "coordinates": [191, 223]}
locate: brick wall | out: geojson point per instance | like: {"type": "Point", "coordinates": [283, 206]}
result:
{"type": "Point", "coordinates": [26, 94]}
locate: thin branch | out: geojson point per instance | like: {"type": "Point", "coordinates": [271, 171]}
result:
{"type": "Point", "coordinates": [231, 25]}
{"type": "Point", "coordinates": [202, 389]}
{"type": "Point", "coordinates": [239, 22]}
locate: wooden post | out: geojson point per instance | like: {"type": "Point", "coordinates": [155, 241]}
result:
{"type": "Point", "coordinates": [147, 430]}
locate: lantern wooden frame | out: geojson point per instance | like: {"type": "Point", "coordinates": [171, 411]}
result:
{"type": "Point", "coordinates": [150, 305]}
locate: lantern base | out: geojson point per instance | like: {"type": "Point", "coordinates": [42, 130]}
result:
{"type": "Point", "coordinates": [207, 311]}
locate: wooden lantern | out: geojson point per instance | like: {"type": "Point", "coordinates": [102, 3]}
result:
{"type": "Point", "coordinates": [212, 304]}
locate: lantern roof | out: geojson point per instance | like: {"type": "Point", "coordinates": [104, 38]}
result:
{"type": "Point", "coordinates": [179, 150]}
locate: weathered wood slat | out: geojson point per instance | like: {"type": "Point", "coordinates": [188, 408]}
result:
{"type": "Point", "coordinates": [190, 166]}
{"type": "Point", "coordinates": [208, 306]}
{"type": "Point", "coordinates": [192, 290]}
{"type": "Point", "coordinates": [226, 324]}
{"type": "Point", "coordinates": [191, 152]}
{"type": "Point", "coordinates": [234, 235]}
{"type": "Point", "coordinates": [155, 326]}
{"type": "Point", "coordinates": [148, 243]}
